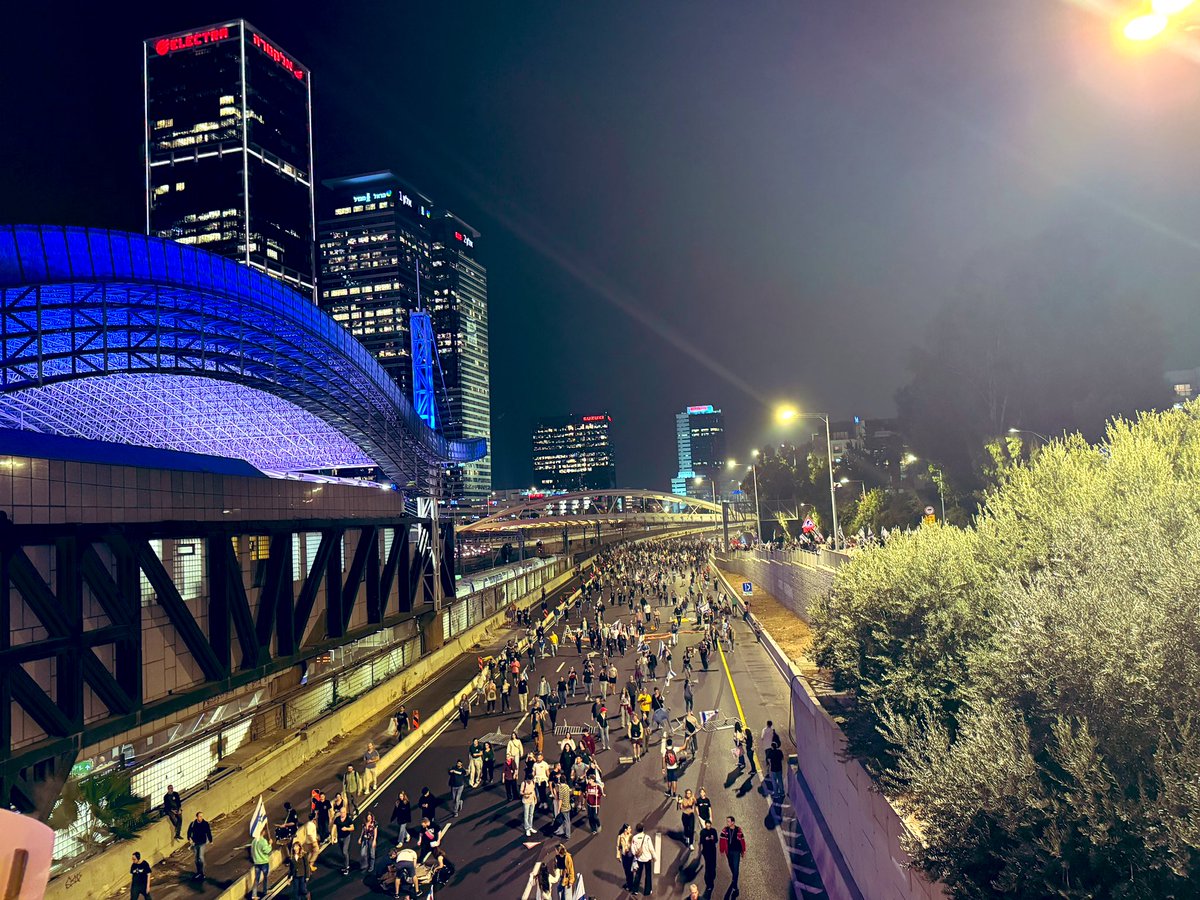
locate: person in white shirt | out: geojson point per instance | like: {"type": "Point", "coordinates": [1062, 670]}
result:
{"type": "Point", "coordinates": [642, 847]}
{"type": "Point", "coordinates": [768, 734]}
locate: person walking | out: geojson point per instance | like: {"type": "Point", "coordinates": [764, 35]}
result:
{"type": "Point", "coordinates": [509, 776]}
{"type": "Point", "coordinates": [464, 712]}
{"type": "Point", "coordinates": [709, 841]}
{"type": "Point", "coordinates": [368, 841]}
{"type": "Point", "coordinates": [750, 751]}
{"type": "Point", "coordinates": [139, 878]}
{"type": "Point", "coordinates": [427, 803]}
{"type": "Point", "coordinates": [643, 853]}
{"type": "Point", "coordinates": [562, 806]}
{"type": "Point", "coordinates": [565, 867]}
{"type": "Point", "coordinates": [475, 763]}
{"type": "Point", "coordinates": [489, 696]}
{"type": "Point", "coordinates": [528, 803]}
{"type": "Point", "coordinates": [688, 697]}
{"type": "Point", "coordinates": [402, 816]}
{"type": "Point", "coordinates": [670, 768]}
{"type": "Point", "coordinates": [199, 835]}
{"type": "Point", "coordinates": [344, 829]}
{"type": "Point", "coordinates": [310, 840]}
{"type": "Point", "coordinates": [733, 845]}
{"type": "Point", "coordinates": [458, 782]}
{"type": "Point", "coordinates": [260, 858]}
{"type": "Point", "coordinates": [352, 786]}
{"type": "Point", "coordinates": [429, 839]}
{"type": "Point", "coordinates": [774, 757]}
{"type": "Point", "coordinates": [172, 807]}
{"type": "Point", "coordinates": [687, 813]}
{"type": "Point", "coordinates": [593, 794]}
{"type": "Point", "coordinates": [489, 763]}
{"type": "Point", "coordinates": [298, 872]}
{"type": "Point", "coordinates": [523, 692]}
{"type": "Point", "coordinates": [739, 746]}
{"type": "Point", "coordinates": [625, 855]}
{"type": "Point", "coordinates": [322, 808]}
{"type": "Point", "coordinates": [370, 765]}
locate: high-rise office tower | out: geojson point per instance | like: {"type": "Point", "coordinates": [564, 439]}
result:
{"type": "Point", "coordinates": [458, 304]}
{"type": "Point", "coordinates": [228, 133]}
{"type": "Point", "coordinates": [378, 237]}
{"type": "Point", "coordinates": [574, 453]}
{"type": "Point", "coordinates": [700, 445]}
{"type": "Point", "coordinates": [373, 246]}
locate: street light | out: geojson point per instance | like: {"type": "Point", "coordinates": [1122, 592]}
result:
{"type": "Point", "coordinates": [699, 480]}
{"type": "Point", "coordinates": [1045, 440]}
{"type": "Point", "coordinates": [789, 413]}
{"type": "Point", "coordinates": [753, 468]}
{"type": "Point", "coordinates": [857, 481]}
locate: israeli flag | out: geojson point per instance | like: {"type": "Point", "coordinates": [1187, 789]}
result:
{"type": "Point", "coordinates": [258, 821]}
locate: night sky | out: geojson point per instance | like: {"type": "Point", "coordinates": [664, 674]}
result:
{"type": "Point", "coordinates": [682, 202]}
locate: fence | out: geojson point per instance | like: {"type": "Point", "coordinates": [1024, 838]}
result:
{"type": "Point", "coordinates": [201, 751]}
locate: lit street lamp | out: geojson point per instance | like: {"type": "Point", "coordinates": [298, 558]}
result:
{"type": "Point", "coordinates": [753, 467]}
{"type": "Point", "coordinates": [862, 484]}
{"type": "Point", "coordinates": [699, 480]}
{"type": "Point", "coordinates": [787, 414]}
{"type": "Point", "coordinates": [1045, 440]}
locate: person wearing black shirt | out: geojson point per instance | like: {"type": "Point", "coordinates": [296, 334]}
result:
{"type": "Point", "coordinates": [458, 781]}
{"type": "Point", "coordinates": [430, 834]}
{"type": "Point", "coordinates": [200, 835]}
{"type": "Point", "coordinates": [704, 806]}
{"type": "Point", "coordinates": [139, 885]}
{"type": "Point", "coordinates": [428, 804]}
{"type": "Point", "coordinates": [774, 757]}
{"type": "Point", "coordinates": [172, 806]}
{"type": "Point", "coordinates": [708, 840]}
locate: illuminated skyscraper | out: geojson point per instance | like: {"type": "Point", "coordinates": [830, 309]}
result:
{"type": "Point", "coordinates": [574, 453]}
{"type": "Point", "coordinates": [376, 233]}
{"type": "Point", "coordinates": [229, 148]}
{"type": "Point", "coordinates": [700, 444]}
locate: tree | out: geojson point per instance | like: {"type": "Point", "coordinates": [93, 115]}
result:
{"type": "Point", "coordinates": [1037, 339]}
{"type": "Point", "coordinates": [1026, 687]}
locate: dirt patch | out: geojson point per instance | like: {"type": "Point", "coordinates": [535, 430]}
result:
{"type": "Point", "coordinates": [793, 635]}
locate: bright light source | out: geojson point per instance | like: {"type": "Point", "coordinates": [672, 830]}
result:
{"type": "Point", "coordinates": [786, 413]}
{"type": "Point", "coordinates": [1170, 7]}
{"type": "Point", "coordinates": [845, 480]}
{"type": "Point", "coordinates": [1014, 431]}
{"type": "Point", "coordinates": [731, 463]}
{"type": "Point", "coordinates": [911, 458]}
{"type": "Point", "coordinates": [1145, 27]}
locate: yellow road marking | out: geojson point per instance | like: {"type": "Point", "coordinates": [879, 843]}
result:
{"type": "Point", "coordinates": [733, 687]}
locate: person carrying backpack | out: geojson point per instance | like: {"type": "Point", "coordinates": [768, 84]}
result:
{"type": "Point", "coordinates": [670, 768]}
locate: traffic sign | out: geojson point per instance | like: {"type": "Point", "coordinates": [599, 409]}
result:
{"type": "Point", "coordinates": [747, 589]}
{"type": "Point", "coordinates": [929, 510]}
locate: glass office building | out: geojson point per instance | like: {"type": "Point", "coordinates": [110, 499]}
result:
{"type": "Point", "coordinates": [574, 453]}
{"type": "Point", "coordinates": [700, 446]}
{"type": "Point", "coordinates": [228, 131]}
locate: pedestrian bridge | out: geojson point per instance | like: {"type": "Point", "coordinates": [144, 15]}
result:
{"type": "Point", "coordinates": [616, 507]}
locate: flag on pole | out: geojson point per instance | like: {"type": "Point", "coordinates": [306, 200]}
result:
{"type": "Point", "coordinates": [259, 819]}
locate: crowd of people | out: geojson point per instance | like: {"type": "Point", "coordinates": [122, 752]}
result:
{"type": "Point", "coordinates": [630, 614]}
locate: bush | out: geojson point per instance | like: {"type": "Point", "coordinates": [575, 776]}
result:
{"type": "Point", "coordinates": [1031, 682]}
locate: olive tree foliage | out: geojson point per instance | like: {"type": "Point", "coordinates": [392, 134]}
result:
{"type": "Point", "coordinates": [1029, 688]}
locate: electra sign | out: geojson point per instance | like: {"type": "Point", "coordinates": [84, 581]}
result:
{"type": "Point", "coordinates": [278, 55]}
{"type": "Point", "coordinates": [372, 196]}
{"type": "Point", "coordinates": [166, 45]}
{"type": "Point", "coordinates": [470, 243]}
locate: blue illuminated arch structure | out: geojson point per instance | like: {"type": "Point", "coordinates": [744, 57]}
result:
{"type": "Point", "coordinates": [120, 337]}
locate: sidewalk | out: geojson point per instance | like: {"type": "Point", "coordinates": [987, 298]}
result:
{"type": "Point", "coordinates": [227, 858]}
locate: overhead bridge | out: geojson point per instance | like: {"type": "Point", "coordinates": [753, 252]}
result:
{"type": "Point", "coordinates": [617, 507]}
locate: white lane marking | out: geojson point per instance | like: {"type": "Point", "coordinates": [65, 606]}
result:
{"type": "Point", "coordinates": [537, 866]}
{"type": "Point", "coordinates": [658, 853]}
{"type": "Point", "coordinates": [560, 665]}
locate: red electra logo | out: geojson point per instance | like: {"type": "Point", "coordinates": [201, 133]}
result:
{"type": "Point", "coordinates": [163, 46]}
{"type": "Point", "coordinates": [459, 236]}
{"type": "Point", "coordinates": [594, 418]}
{"type": "Point", "coordinates": [278, 55]}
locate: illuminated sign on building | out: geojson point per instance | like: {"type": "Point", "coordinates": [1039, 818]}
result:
{"type": "Point", "coordinates": [166, 45]}
{"type": "Point", "coordinates": [699, 410]}
{"type": "Point", "coordinates": [278, 55]}
{"type": "Point", "coordinates": [594, 418]}
{"type": "Point", "coordinates": [372, 196]}
{"type": "Point", "coordinates": [458, 235]}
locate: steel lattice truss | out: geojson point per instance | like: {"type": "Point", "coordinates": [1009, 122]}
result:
{"type": "Point", "coordinates": [80, 304]}
{"type": "Point", "coordinates": [613, 507]}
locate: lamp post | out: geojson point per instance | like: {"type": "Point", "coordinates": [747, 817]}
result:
{"type": "Point", "coordinates": [1037, 434]}
{"type": "Point", "coordinates": [699, 480]}
{"type": "Point", "coordinates": [941, 480]}
{"type": "Point", "coordinates": [862, 484]}
{"type": "Point", "coordinates": [753, 467]}
{"type": "Point", "coordinates": [787, 414]}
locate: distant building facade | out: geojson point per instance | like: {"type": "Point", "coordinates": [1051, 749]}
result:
{"type": "Point", "coordinates": [700, 451]}
{"type": "Point", "coordinates": [229, 164]}
{"type": "Point", "coordinates": [574, 453]}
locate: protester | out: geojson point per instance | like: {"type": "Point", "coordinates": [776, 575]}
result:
{"type": "Point", "coordinates": [733, 845]}
{"type": "Point", "coordinates": [139, 875]}
{"type": "Point", "coordinates": [644, 855]}
{"type": "Point", "coordinates": [172, 807]}
{"type": "Point", "coordinates": [200, 835]}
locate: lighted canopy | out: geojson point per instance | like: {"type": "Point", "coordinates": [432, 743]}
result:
{"type": "Point", "coordinates": [121, 337]}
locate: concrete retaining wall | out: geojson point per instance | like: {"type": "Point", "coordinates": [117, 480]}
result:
{"type": "Point", "coordinates": [793, 583]}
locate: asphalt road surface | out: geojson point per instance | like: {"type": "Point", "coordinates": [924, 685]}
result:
{"type": "Point", "coordinates": [495, 859]}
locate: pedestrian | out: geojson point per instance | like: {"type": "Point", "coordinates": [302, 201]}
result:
{"type": "Point", "coordinates": [298, 872]}
{"type": "Point", "coordinates": [428, 804]}
{"type": "Point", "coordinates": [200, 835]}
{"type": "Point", "coordinates": [489, 763]}
{"type": "Point", "coordinates": [458, 782]}
{"type": "Point", "coordinates": [704, 806]}
{"type": "Point", "coordinates": [370, 762]}
{"type": "Point", "coordinates": [475, 763]}
{"type": "Point", "coordinates": [311, 843]}
{"type": "Point", "coordinates": [565, 867]}
{"type": "Point", "coordinates": [464, 712]}
{"type": "Point", "coordinates": [367, 843]}
{"type": "Point", "coordinates": [322, 808]}
{"type": "Point", "coordinates": [625, 855]}
{"type": "Point", "coordinates": [562, 806]}
{"type": "Point", "coordinates": [688, 696]}
{"type": "Point", "coordinates": [774, 757]}
{"type": "Point", "coordinates": [693, 893]}
{"type": "Point", "coordinates": [430, 837]}
{"type": "Point", "coordinates": [644, 855]}
{"type": "Point", "coordinates": [260, 857]}
{"type": "Point", "coordinates": [733, 845]}
{"type": "Point", "coordinates": [139, 878]}
{"type": "Point", "coordinates": [768, 734]}
{"type": "Point", "coordinates": [344, 829]}
{"type": "Point", "coordinates": [352, 785]}
{"type": "Point", "coordinates": [505, 694]}
{"type": "Point", "coordinates": [593, 793]}
{"type": "Point", "coordinates": [739, 746]}
{"type": "Point", "coordinates": [670, 768]}
{"type": "Point", "coordinates": [514, 749]}
{"type": "Point", "coordinates": [172, 807]}
{"type": "Point", "coordinates": [523, 692]}
{"type": "Point", "coordinates": [750, 751]}
{"type": "Point", "coordinates": [529, 803]}
{"type": "Point", "coordinates": [489, 695]}
{"type": "Point", "coordinates": [509, 777]}
{"type": "Point", "coordinates": [402, 816]}
{"type": "Point", "coordinates": [709, 840]}
{"type": "Point", "coordinates": [687, 813]}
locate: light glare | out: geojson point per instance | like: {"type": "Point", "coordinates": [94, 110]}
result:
{"type": "Point", "coordinates": [1170, 7]}
{"type": "Point", "coordinates": [1145, 27]}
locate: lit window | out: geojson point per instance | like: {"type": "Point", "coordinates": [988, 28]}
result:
{"type": "Point", "coordinates": [179, 185]}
